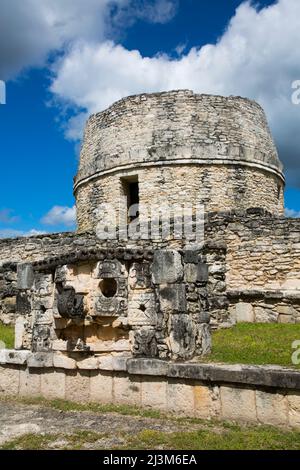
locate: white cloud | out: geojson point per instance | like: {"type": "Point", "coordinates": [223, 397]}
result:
{"type": "Point", "coordinates": [60, 215]}
{"type": "Point", "coordinates": [31, 29]}
{"type": "Point", "coordinates": [12, 233]}
{"type": "Point", "coordinates": [292, 213]}
{"type": "Point", "coordinates": [258, 57]}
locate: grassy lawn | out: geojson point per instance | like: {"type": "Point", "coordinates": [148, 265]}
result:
{"type": "Point", "coordinates": [7, 336]}
{"type": "Point", "coordinates": [230, 438]}
{"type": "Point", "coordinates": [188, 434]}
{"type": "Point", "coordinates": [255, 343]}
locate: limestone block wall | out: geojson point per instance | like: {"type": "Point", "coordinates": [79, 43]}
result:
{"type": "Point", "coordinates": [262, 395]}
{"type": "Point", "coordinates": [143, 302]}
{"type": "Point", "coordinates": [184, 148]}
{"type": "Point", "coordinates": [217, 188]}
{"type": "Point", "coordinates": [262, 265]}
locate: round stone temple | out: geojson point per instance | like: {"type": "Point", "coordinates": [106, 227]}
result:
{"type": "Point", "coordinates": [179, 147]}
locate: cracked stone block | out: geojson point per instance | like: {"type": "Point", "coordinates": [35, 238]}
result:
{"type": "Point", "coordinates": [166, 267]}
{"type": "Point", "coordinates": [182, 336]}
{"type": "Point", "coordinates": [173, 298]}
{"type": "Point", "coordinates": [16, 357]}
{"type": "Point", "coordinates": [25, 276]}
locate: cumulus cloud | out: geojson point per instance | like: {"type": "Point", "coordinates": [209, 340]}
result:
{"type": "Point", "coordinates": [12, 233]}
{"type": "Point", "coordinates": [31, 29]}
{"type": "Point", "coordinates": [257, 56]}
{"type": "Point", "coordinates": [60, 215]}
{"type": "Point", "coordinates": [292, 213]}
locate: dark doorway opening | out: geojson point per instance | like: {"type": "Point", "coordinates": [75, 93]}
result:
{"type": "Point", "coordinates": [131, 191]}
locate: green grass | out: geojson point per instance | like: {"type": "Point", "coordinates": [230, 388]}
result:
{"type": "Point", "coordinates": [235, 438]}
{"type": "Point", "coordinates": [255, 343]}
{"type": "Point", "coordinates": [223, 438]}
{"type": "Point", "coordinates": [7, 335]}
{"type": "Point", "coordinates": [73, 441]}
{"type": "Point", "coordinates": [65, 405]}
{"type": "Point", "coordinates": [204, 435]}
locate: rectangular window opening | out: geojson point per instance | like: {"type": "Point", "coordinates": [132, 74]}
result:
{"type": "Point", "coordinates": [130, 187]}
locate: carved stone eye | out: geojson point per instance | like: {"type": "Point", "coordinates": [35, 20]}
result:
{"type": "Point", "coordinates": [108, 287]}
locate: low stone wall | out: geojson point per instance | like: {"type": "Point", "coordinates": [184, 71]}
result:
{"type": "Point", "coordinates": [257, 394]}
{"type": "Point", "coordinates": [277, 306]}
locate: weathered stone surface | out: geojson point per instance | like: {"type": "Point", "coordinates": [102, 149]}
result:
{"type": "Point", "coordinates": [166, 267]}
{"type": "Point", "coordinates": [172, 298]}
{"type": "Point", "coordinates": [154, 393]}
{"type": "Point", "coordinates": [25, 276]}
{"type": "Point", "coordinates": [53, 383]}
{"type": "Point", "coordinates": [207, 402]}
{"type": "Point", "coordinates": [244, 312]}
{"type": "Point", "coordinates": [272, 408]}
{"type": "Point", "coordinates": [23, 304]}
{"type": "Point", "coordinates": [62, 361]}
{"type": "Point", "coordinates": [293, 402]}
{"type": "Point", "coordinates": [40, 359]}
{"type": "Point", "coordinates": [126, 389]}
{"type": "Point", "coordinates": [147, 367]}
{"type": "Point", "coordinates": [142, 309]}
{"type": "Point", "coordinates": [180, 397]}
{"type": "Point", "coordinates": [182, 336]}
{"type": "Point", "coordinates": [77, 385]}
{"type": "Point", "coordinates": [19, 332]}
{"type": "Point", "coordinates": [88, 363]}
{"type": "Point", "coordinates": [196, 272]}
{"type": "Point", "coordinates": [238, 404]}
{"type": "Point", "coordinates": [16, 357]}
{"type": "Point", "coordinates": [101, 387]}
{"type": "Point", "coordinates": [30, 382]}
{"type": "Point", "coordinates": [9, 380]}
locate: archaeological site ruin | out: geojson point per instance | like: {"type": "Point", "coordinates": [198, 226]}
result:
{"type": "Point", "coordinates": [122, 309]}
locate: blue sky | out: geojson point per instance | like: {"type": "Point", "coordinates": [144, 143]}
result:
{"type": "Point", "coordinates": [70, 72]}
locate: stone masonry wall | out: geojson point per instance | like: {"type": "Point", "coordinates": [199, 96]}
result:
{"type": "Point", "coordinates": [263, 265]}
{"type": "Point", "coordinates": [219, 187]}
{"type": "Point", "coordinates": [259, 278]}
{"type": "Point", "coordinates": [264, 395]}
{"type": "Point", "coordinates": [177, 124]}
{"type": "Point", "coordinates": [185, 148]}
